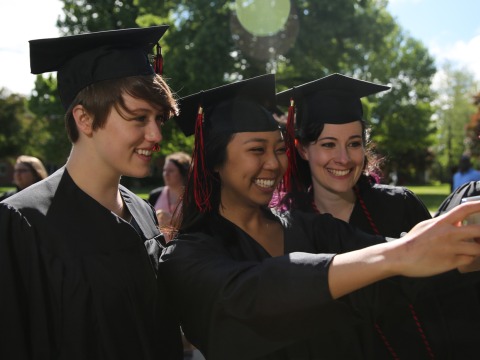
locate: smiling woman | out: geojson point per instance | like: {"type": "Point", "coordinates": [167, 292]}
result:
{"type": "Point", "coordinates": [79, 251]}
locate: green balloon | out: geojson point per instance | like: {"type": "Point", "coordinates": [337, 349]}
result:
{"type": "Point", "coordinates": [263, 17]}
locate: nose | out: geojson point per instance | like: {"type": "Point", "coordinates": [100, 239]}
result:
{"type": "Point", "coordinates": [153, 133]}
{"type": "Point", "coordinates": [343, 156]}
{"type": "Point", "coordinates": [272, 162]}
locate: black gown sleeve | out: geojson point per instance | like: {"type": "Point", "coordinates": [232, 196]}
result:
{"type": "Point", "coordinates": [25, 312]}
{"type": "Point", "coordinates": [248, 309]}
{"type": "Point", "coordinates": [415, 211]}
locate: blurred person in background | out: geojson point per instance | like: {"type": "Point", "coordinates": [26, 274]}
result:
{"type": "Point", "coordinates": [166, 198]}
{"type": "Point", "coordinates": [27, 171]}
{"type": "Point", "coordinates": [465, 173]}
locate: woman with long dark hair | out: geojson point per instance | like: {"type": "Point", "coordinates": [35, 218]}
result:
{"type": "Point", "coordinates": [339, 175]}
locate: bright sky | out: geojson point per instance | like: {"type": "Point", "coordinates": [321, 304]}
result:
{"type": "Point", "coordinates": [449, 28]}
{"type": "Point", "coordinates": [20, 21]}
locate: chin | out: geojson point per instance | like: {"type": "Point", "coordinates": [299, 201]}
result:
{"type": "Point", "coordinates": [138, 174]}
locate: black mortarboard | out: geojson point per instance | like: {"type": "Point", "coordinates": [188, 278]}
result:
{"type": "Point", "coordinates": [334, 99]}
{"type": "Point", "coordinates": [82, 60]}
{"type": "Point", "coordinates": [243, 106]}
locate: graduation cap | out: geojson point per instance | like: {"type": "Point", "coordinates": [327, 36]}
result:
{"type": "Point", "coordinates": [334, 99]}
{"type": "Point", "coordinates": [82, 60]}
{"type": "Point", "coordinates": [244, 106]}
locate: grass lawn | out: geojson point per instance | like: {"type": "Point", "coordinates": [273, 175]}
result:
{"type": "Point", "coordinates": [431, 195]}
{"type": "Point", "coordinates": [5, 188]}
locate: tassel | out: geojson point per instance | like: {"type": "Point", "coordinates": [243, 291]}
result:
{"type": "Point", "coordinates": [156, 147]}
{"type": "Point", "coordinates": [202, 187]}
{"type": "Point", "coordinates": [289, 179]}
{"type": "Point", "coordinates": [158, 61]}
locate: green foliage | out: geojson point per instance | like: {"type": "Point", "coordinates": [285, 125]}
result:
{"type": "Point", "coordinates": [46, 106]}
{"type": "Point", "coordinates": [11, 108]}
{"type": "Point", "coordinates": [97, 15]}
{"type": "Point", "coordinates": [199, 42]}
{"type": "Point", "coordinates": [453, 109]}
{"type": "Point", "coordinates": [207, 46]}
{"type": "Point", "coordinates": [21, 132]}
{"type": "Point", "coordinates": [174, 140]}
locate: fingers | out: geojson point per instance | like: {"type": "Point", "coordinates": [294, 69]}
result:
{"type": "Point", "coordinates": [465, 252]}
{"type": "Point", "coordinates": [438, 245]}
{"type": "Point", "coordinates": [469, 264]}
{"type": "Point", "coordinates": [460, 212]}
{"type": "Point", "coordinates": [163, 217]}
{"type": "Point", "coordinates": [467, 248]}
{"type": "Point", "coordinates": [468, 232]}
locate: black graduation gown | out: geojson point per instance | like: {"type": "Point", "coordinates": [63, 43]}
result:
{"type": "Point", "coordinates": [461, 305]}
{"type": "Point", "coordinates": [77, 281]}
{"type": "Point", "coordinates": [393, 209]}
{"type": "Point", "coordinates": [237, 302]}
{"type": "Point", "coordinates": [442, 320]}
{"type": "Point", "coordinates": [403, 330]}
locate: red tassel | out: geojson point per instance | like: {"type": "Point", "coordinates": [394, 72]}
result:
{"type": "Point", "coordinates": [156, 147]}
{"type": "Point", "coordinates": [289, 179]}
{"type": "Point", "coordinates": [201, 182]}
{"type": "Point", "coordinates": [158, 61]}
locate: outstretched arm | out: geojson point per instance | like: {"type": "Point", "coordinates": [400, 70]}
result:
{"type": "Point", "coordinates": [431, 247]}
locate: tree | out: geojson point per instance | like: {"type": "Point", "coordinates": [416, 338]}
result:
{"type": "Point", "coordinates": [47, 107]}
{"type": "Point", "coordinates": [401, 126]}
{"type": "Point", "coordinates": [473, 127]}
{"type": "Point", "coordinates": [358, 38]}
{"type": "Point", "coordinates": [88, 16]}
{"type": "Point", "coordinates": [453, 109]}
{"type": "Point", "coordinates": [207, 46]}
{"type": "Point", "coordinates": [21, 133]}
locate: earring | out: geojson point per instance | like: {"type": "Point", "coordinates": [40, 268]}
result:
{"type": "Point", "coordinates": [156, 147]}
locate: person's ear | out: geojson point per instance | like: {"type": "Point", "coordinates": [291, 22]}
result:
{"type": "Point", "coordinates": [83, 120]}
{"type": "Point", "coordinates": [301, 151]}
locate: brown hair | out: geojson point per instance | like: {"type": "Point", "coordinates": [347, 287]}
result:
{"type": "Point", "coordinates": [99, 99]}
{"type": "Point", "coordinates": [182, 161]}
{"type": "Point", "coordinates": [35, 165]}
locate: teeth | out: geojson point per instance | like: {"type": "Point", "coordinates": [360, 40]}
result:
{"type": "Point", "coordinates": [144, 152]}
{"type": "Point", "coordinates": [264, 183]}
{"type": "Point", "coordinates": [338, 172]}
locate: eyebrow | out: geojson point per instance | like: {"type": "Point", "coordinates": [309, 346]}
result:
{"type": "Point", "coordinates": [334, 138]}
{"type": "Point", "coordinates": [262, 140]}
